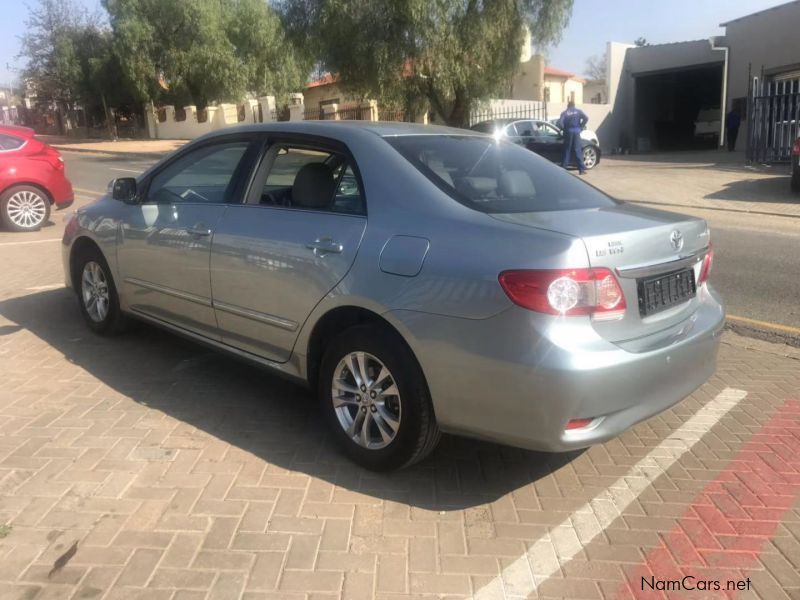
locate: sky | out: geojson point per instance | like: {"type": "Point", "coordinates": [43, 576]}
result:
{"type": "Point", "coordinates": [593, 23]}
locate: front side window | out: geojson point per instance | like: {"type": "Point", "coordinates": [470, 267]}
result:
{"type": "Point", "coordinates": [202, 176]}
{"type": "Point", "coordinates": [312, 179]}
{"type": "Point", "coordinates": [496, 176]}
{"type": "Point", "coordinates": [10, 142]}
{"type": "Point", "coordinates": [547, 131]}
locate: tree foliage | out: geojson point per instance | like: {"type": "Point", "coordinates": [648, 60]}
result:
{"type": "Point", "coordinates": [201, 51]}
{"type": "Point", "coordinates": [596, 66]}
{"type": "Point", "coordinates": [449, 53]}
{"type": "Point", "coordinates": [70, 60]}
{"type": "Point", "coordinates": [49, 48]}
{"type": "Point", "coordinates": [641, 42]}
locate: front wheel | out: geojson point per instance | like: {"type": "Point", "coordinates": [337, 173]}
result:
{"type": "Point", "coordinates": [590, 157]}
{"type": "Point", "coordinates": [24, 208]}
{"type": "Point", "coordinates": [97, 294]}
{"type": "Point", "coordinates": [376, 400]}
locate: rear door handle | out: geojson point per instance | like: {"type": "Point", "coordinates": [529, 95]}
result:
{"type": "Point", "coordinates": [198, 229]}
{"type": "Point", "coordinates": [325, 245]}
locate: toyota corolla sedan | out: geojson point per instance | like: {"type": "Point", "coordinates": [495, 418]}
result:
{"type": "Point", "coordinates": [32, 179]}
{"type": "Point", "coordinates": [419, 279]}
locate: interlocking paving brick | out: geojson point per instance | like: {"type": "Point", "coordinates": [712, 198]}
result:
{"type": "Point", "coordinates": [191, 476]}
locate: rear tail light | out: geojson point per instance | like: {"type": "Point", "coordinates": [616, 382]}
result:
{"type": "Point", "coordinates": [796, 147]}
{"type": "Point", "coordinates": [705, 270]}
{"type": "Point", "coordinates": [594, 292]}
{"type": "Point", "coordinates": [578, 424]}
{"type": "Point", "coordinates": [52, 156]}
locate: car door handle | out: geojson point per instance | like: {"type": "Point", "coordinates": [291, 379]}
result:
{"type": "Point", "coordinates": [198, 229]}
{"type": "Point", "coordinates": [325, 245]}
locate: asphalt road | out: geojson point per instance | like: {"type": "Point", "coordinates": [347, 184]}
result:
{"type": "Point", "coordinates": [757, 257]}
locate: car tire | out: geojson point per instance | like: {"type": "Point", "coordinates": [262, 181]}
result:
{"type": "Point", "coordinates": [796, 181]}
{"type": "Point", "coordinates": [590, 157]}
{"type": "Point", "coordinates": [97, 294]}
{"type": "Point", "coordinates": [394, 402]}
{"type": "Point", "coordinates": [24, 208]}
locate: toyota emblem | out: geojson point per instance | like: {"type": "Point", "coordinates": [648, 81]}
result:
{"type": "Point", "coordinates": [676, 240]}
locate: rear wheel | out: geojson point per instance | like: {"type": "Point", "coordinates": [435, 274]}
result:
{"type": "Point", "coordinates": [590, 157]}
{"type": "Point", "coordinates": [24, 208]}
{"type": "Point", "coordinates": [376, 400]}
{"type": "Point", "coordinates": [97, 294]}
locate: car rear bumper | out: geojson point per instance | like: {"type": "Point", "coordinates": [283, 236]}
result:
{"type": "Point", "coordinates": [61, 191]}
{"type": "Point", "coordinates": [518, 379]}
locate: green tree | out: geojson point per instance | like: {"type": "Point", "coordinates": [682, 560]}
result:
{"type": "Point", "coordinates": [69, 61]}
{"type": "Point", "coordinates": [201, 51]}
{"type": "Point", "coordinates": [444, 53]}
{"type": "Point", "coordinates": [640, 42]}
{"type": "Point", "coordinates": [52, 69]}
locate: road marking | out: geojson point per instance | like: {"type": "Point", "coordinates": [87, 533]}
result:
{"type": "Point", "coordinates": [85, 191]}
{"type": "Point", "coordinates": [766, 324]}
{"type": "Point", "coordinates": [40, 288]}
{"type": "Point", "coordinates": [540, 562]}
{"type": "Point", "coordinates": [124, 170]}
{"type": "Point", "coordinates": [30, 242]}
{"type": "Point", "coordinates": [729, 523]}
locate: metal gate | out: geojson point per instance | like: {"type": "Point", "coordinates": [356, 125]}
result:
{"type": "Point", "coordinates": [773, 115]}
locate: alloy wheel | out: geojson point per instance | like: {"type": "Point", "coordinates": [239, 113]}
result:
{"type": "Point", "coordinates": [366, 400]}
{"type": "Point", "coordinates": [26, 209]}
{"type": "Point", "coordinates": [94, 291]}
{"type": "Point", "coordinates": [589, 157]}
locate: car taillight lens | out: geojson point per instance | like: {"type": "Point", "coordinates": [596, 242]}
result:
{"type": "Point", "coordinates": [705, 270]}
{"type": "Point", "coordinates": [51, 156]}
{"type": "Point", "coordinates": [796, 147]}
{"type": "Point", "coordinates": [594, 292]}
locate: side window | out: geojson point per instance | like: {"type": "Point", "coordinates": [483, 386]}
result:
{"type": "Point", "coordinates": [312, 179]}
{"type": "Point", "coordinates": [202, 176]}
{"type": "Point", "coordinates": [524, 128]}
{"type": "Point", "coordinates": [10, 142]}
{"type": "Point", "coordinates": [549, 132]}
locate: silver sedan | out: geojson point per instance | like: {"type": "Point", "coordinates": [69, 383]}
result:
{"type": "Point", "coordinates": [419, 279]}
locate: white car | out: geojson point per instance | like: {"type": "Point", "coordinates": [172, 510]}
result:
{"type": "Point", "coordinates": [587, 134]}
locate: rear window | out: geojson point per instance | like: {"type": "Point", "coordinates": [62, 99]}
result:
{"type": "Point", "coordinates": [10, 142]}
{"type": "Point", "coordinates": [496, 176]}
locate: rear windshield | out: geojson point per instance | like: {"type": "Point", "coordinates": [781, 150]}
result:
{"type": "Point", "coordinates": [496, 176]}
{"type": "Point", "coordinates": [10, 142]}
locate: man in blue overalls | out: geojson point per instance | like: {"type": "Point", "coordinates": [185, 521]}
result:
{"type": "Point", "coordinates": [572, 121]}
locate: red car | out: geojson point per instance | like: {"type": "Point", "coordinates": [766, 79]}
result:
{"type": "Point", "coordinates": [32, 179]}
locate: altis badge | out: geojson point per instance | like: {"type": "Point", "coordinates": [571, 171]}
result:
{"type": "Point", "coordinates": [612, 247]}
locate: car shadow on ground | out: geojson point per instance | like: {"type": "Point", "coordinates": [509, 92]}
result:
{"type": "Point", "coordinates": [260, 413]}
{"type": "Point", "coordinates": [773, 189]}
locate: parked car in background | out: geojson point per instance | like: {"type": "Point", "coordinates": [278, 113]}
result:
{"type": "Point", "coordinates": [586, 134]}
{"type": "Point", "coordinates": [418, 278]}
{"type": "Point", "coordinates": [707, 124]}
{"type": "Point", "coordinates": [32, 179]}
{"type": "Point", "coordinates": [796, 166]}
{"type": "Point", "coordinates": [540, 137]}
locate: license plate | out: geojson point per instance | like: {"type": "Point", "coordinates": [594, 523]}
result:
{"type": "Point", "coordinates": [664, 291]}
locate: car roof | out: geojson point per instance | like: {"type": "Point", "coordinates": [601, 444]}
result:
{"type": "Point", "coordinates": [23, 132]}
{"type": "Point", "coordinates": [338, 128]}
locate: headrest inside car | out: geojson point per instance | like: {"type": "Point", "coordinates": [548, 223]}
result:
{"type": "Point", "coordinates": [516, 184]}
{"type": "Point", "coordinates": [313, 186]}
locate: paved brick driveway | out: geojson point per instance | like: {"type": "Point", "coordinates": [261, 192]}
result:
{"type": "Point", "coordinates": [148, 467]}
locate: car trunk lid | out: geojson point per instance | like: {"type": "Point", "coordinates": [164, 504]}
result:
{"type": "Point", "coordinates": [637, 244]}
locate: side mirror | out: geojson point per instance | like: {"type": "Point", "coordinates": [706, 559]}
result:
{"type": "Point", "coordinates": [123, 188]}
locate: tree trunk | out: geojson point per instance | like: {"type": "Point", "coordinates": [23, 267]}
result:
{"type": "Point", "coordinates": [459, 114]}
{"type": "Point", "coordinates": [109, 126]}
